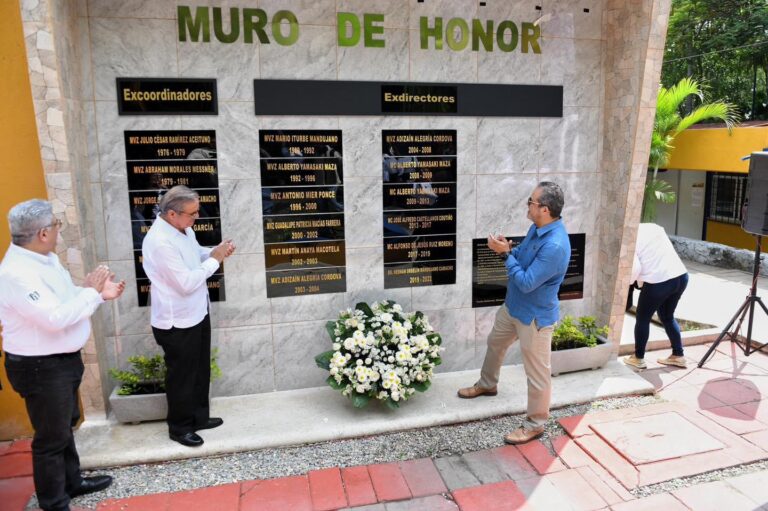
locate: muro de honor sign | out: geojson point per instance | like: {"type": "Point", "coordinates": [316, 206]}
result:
{"type": "Point", "coordinates": [250, 24]}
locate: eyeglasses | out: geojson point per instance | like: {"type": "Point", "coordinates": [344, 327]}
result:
{"type": "Point", "coordinates": [55, 223]}
{"type": "Point", "coordinates": [194, 214]}
{"type": "Point", "coordinates": [531, 201]}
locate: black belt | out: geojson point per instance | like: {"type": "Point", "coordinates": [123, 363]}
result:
{"type": "Point", "coordinates": [22, 358]}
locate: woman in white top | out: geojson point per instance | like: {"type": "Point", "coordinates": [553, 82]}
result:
{"type": "Point", "coordinates": [663, 279]}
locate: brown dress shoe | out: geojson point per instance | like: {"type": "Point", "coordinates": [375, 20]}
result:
{"type": "Point", "coordinates": [475, 391]}
{"type": "Point", "coordinates": [522, 435]}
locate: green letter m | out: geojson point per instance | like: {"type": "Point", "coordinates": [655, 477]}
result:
{"type": "Point", "coordinates": [193, 25]}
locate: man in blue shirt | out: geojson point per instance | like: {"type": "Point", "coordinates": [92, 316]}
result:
{"type": "Point", "coordinates": [536, 269]}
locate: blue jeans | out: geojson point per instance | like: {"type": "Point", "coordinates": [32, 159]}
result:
{"type": "Point", "coordinates": [49, 386]}
{"type": "Point", "coordinates": [661, 297]}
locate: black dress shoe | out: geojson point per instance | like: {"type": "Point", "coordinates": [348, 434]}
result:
{"type": "Point", "coordinates": [92, 484]}
{"type": "Point", "coordinates": [213, 422]}
{"type": "Point", "coordinates": [189, 439]}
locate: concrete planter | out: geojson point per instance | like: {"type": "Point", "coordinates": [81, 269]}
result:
{"type": "Point", "coordinates": [578, 359]}
{"type": "Point", "coordinates": [141, 408]}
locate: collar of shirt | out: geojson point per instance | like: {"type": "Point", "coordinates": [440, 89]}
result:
{"type": "Point", "coordinates": [168, 229]}
{"type": "Point", "coordinates": [17, 251]}
{"type": "Point", "coordinates": [541, 231]}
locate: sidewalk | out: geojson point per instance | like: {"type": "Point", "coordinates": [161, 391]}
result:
{"type": "Point", "coordinates": [708, 419]}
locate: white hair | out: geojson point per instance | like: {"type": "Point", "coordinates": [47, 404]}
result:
{"type": "Point", "coordinates": [27, 218]}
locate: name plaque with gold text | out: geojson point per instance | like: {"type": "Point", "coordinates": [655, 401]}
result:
{"type": "Point", "coordinates": [419, 199]}
{"type": "Point", "coordinates": [159, 160]}
{"type": "Point", "coordinates": [302, 199]}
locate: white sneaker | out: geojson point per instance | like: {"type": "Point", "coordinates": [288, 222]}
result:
{"type": "Point", "coordinates": [632, 360]}
{"type": "Point", "coordinates": [674, 360]}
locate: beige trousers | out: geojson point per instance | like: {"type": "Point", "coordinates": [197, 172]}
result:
{"type": "Point", "coordinates": [535, 345]}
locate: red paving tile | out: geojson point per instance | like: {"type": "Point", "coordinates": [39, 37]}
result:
{"type": "Point", "coordinates": [714, 496]}
{"type": "Point", "coordinates": [577, 491]}
{"type": "Point", "coordinates": [388, 482]}
{"type": "Point", "coordinates": [422, 477]}
{"type": "Point", "coordinates": [733, 392]}
{"type": "Point", "coordinates": [658, 502]}
{"type": "Point", "coordinates": [503, 496]}
{"type": "Point", "coordinates": [326, 489]}
{"type": "Point", "coordinates": [18, 464]}
{"type": "Point", "coordinates": [158, 502]}
{"type": "Point", "coordinates": [358, 484]}
{"type": "Point", "coordinates": [15, 493]}
{"type": "Point", "coordinates": [276, 494]}
{"type": "Point", "coordinates": [512, 462]}
{"type": "Point", "coordinates": [611, 460]}
{"type": "Point", "coordinates": [656, 437]}
{"type": "Point", "coordinates": [576, 425]}
{"type": "Point", "coordinates": [4, 446]}
{"type": "Point", "coordinates": [733, 419]}
{"type": "Point", "coordinates": [24, 445]}
{"type": "Point", "coordinates": [759, 438]}
{"type": "Point", "coordinates": [221, 498]}
{"type": "Point", "coordinates": [539, 456]}
{"type": "Point", "coordinates": [752, 485]}
{"type": "Point", "coordinates": [605, 491]}
{"type": "Point", "coordinates": [756, 409]}
{"type": "Point", "coordinates": [692, 396]}
{"type": "Point", "coordinates": [610, 481]}
{"type": "Point", "coordinates": [570, 452]}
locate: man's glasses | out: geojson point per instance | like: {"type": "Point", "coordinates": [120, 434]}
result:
{"type": "Point", "coordinates": [531, 201]}
{"type": "Point", "coordinates": [55, 223]}
{"type": "Point", "coordinates": [194, 214]}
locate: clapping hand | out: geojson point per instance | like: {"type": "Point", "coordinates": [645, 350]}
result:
{"type": "Point", "coordinates": [112, 289]}
{"type": "Point", "coordinates": [223, 250]}
{"type": "Point", "coordinates": [498, 244]}
{"type": "Point", "coordinates": [97, 278]}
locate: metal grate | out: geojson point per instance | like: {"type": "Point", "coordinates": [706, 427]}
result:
{"type": "Point", "coordinates": [728, 193]}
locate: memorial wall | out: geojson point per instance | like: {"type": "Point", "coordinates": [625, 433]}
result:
{"type": "Point", "coordinates": [353, 150]}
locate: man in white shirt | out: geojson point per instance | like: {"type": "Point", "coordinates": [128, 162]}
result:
{"type": "Point", "coordinates": [46, 321]}
{"type": "Point", "coordinates": [178, 267]}
{"type": "Point", "coordinates": [663, 278]}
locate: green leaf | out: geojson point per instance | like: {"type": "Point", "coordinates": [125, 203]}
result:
{"type": "Point", "coordinates": [365, 308]}
{"type": "Point", "coordinates": [435, 338]}
{"type": "Point", "coordinates": [437, 361]}
{"type": "Point", "coordinates": [334, 384]}
{"type": "Point", "coordinates": [330, 327]}
{"type": "Point", "coordinates": [422, 386]}
{"type": "Point", "coordinates": [323, 360]}
{"type": "Point", "coordinates": [360, 400]}
{"type": "Point", "coordinates": [392, 405]}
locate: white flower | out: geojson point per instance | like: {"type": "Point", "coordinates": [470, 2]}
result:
{"type": "Point", "coordinates": [351, 322]}
{"type": "Point", "coordinates": [349, 343]}
{"type": "Point", "coordinates": [336, 346]}
{"type": "Point", "coordinates": [407, 325]}
{"type": "Point", "coordinates": [386, 317]}
{"type": "Point", "coordinates": [397, 308]}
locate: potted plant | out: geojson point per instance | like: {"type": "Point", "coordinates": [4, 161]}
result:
{"type": "Point", "coordinates": [380, 352]}
{"type": "Point", "coordinates": [141, 394]}
{"type": "Point", "coordinates": [578, 343]}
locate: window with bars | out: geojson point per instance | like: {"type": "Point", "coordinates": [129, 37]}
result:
{"type": "Point", "coordinates": [728, 192]}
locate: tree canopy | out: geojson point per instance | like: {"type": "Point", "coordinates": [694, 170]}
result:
{"type": "Point", "coordinates": [723, 44]}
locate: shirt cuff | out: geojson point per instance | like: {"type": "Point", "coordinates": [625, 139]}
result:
{"type": "Point", "coordinates": [211, 265]}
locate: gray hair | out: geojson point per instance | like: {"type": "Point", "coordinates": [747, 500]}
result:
{"type": "Point", "coordinates": [175, 198]}
{"type": "Point", "coordinates": [552, 197]}
{"type": "Point", "coordinates": [27, 218]}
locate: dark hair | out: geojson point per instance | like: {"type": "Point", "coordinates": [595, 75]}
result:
{"type": "Point", "coordinates": [552, 197]}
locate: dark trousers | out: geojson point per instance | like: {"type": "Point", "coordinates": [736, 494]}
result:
{"type": "Point", "coordinates": [662, 297]}
{"type": "Point", "coordinates": [49, 388]}
{"type": "Point", "coordinates": [188, 359]}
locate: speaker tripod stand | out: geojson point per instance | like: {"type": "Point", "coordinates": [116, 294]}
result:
{"type": "Point", "coordinates": [748, 306]}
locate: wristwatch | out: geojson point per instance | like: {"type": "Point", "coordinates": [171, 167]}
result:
{"type": "Point", "coordinates": [504, 256]}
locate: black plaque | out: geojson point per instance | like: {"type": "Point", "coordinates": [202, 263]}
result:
{"type": "Point", "coordinates": [408, 169]}
{"type": "Point", "coordinates": [302, 199]}
{"type": "Point", "coordinates": [419, 223]}
{"type": "Point", "coordinates": [339, 97]}
{"type": "Point", "coordinates": [285, 200]}
{"type": "Point", "coordinates": [306, 281]}
{"type": "Point", "coordinates": [421, 99]}
{"type": "Point", "coordinates": [298, 172]}
{"type": "Point", "coordinates": [154, 175]}
{"type": "Point", "coordinates": [170, 145]}
{"type": "Point", "coordinates": [300, 143]}
{"type": "Point", "coordinates": [166, 96]}
{"type": "Point", "coordinates": [425, 273]}
{"type": "Point", "coordinates": [489, 274]}
{"type": "Point", "coordinates": [419, 201]}
{"type": "Point", "coordinates": [419, 196]}
{"type": "Point", "coordinates": [288, 256]}
{"type": "Point", "coordinates": [159, 160]}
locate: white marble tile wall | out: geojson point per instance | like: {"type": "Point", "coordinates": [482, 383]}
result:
{"type": "Point", "coordinates": [267, 344]}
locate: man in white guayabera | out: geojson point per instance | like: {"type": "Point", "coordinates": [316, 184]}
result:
{"type": "Point", "coordinates": [535, 269]}
{"type": "Point", "coordinates": [46, 321]}
{"type": "Point", "coordinates": [178, 268]}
